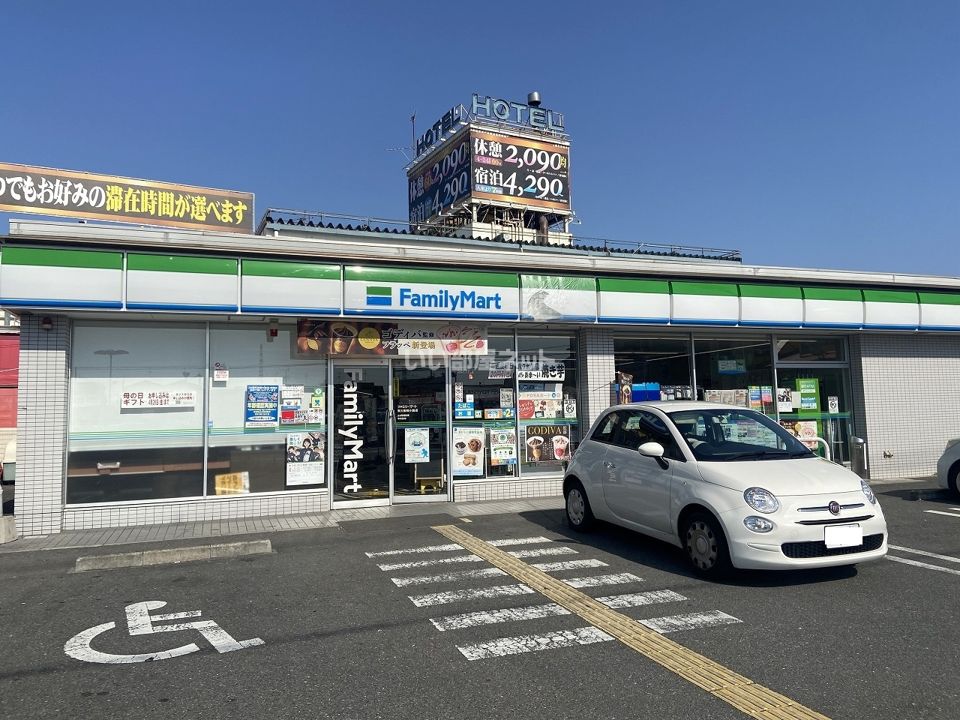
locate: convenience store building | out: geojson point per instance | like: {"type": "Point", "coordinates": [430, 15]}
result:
{"type": "Point", "coordinates": [173, 375]}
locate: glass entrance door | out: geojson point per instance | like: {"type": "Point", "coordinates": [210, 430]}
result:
{"type": "Point", "coordinates": [360, 438]}
{"type": "Point", "coordinates": [420, 433]}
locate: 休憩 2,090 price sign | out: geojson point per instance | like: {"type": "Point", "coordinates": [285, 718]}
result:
{"type": "Point", "coordinates": [520, 171]}
{"type": "Point", "coordinates": [442, 182]}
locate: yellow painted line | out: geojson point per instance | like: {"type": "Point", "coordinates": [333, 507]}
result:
{"type": "Point", "coordinates": [742, 693]}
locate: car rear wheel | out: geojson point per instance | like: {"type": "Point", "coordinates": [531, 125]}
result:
{"type": "Point", "coordinates": [579, 514]}
{"type": "Point", "coordinates": [706, 546]}
{"type": "Point", "coordinates": [955, 479]}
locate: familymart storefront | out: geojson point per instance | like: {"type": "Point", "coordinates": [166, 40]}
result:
{"type": "Point", "coordinates": [241, 376]}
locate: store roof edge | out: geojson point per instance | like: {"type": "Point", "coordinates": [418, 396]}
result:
{"type": "Point", "coordinates": [341, 245]}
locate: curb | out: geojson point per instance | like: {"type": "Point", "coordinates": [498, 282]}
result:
{"type": "Point", "coordinates": [173, 556]}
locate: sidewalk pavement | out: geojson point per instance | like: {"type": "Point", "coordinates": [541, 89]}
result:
{"type": "Point", "coordinates": [247, 526]}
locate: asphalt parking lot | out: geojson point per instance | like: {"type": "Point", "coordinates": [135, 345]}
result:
{"type": "Point", "coordinates": [383, 619]}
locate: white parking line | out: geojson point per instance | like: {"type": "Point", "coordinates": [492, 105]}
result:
{"type": "Point", "coordinates": [927, 566]}
{"type": "Point", "coordinates": [948, 558]}
{"type": "Point", "coordinates": [533, 612]}
{"type": "Point", "coordinates": [533, 643]}
{"type": "Point", "coordinates": [690, 621]}
{"type": "Point", "coordinates": [452, 547]}
{"type": "Point", "coordinates": [941, 512]}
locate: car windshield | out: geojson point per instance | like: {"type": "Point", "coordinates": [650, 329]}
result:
{"type": "Point", "coordinates": [729, 434]}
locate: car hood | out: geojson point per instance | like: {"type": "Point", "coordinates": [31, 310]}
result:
{"type": "Point", "coordinates": [784, 478]}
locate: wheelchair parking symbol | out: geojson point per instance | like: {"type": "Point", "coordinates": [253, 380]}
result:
{"type": "Point", "coordinates": [141, 622]}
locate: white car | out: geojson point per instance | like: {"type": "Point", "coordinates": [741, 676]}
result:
{"type": "Point", "coordinates": [948, 467]}
{"type": "Point", "coordinates": [727, 484]}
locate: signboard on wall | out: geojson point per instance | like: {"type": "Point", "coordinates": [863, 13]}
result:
{"type": "Point", "coordinates": [507, 168]}
{"type": "Point", "coordinates": [68, 193]}
{"type": "Point", "coordinates": [350, 338]}
{"type": "Point", "coordinates": [494, 167]}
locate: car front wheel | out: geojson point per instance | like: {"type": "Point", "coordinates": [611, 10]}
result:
{"type": "Point", "coordinates": [579, 515]}
{"type": "Point", "coordinates": [706, 546]}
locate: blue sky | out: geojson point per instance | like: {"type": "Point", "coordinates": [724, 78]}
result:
{"type": "Point", "coordinates": [809, 134]}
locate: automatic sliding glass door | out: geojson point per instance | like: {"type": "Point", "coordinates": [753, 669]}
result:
{"type": "Point", "coordinates": [419, 433]}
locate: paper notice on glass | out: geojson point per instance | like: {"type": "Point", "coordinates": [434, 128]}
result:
{"type": "Point", "coordinates": [306, 453]}
{"type": "Point", "coordinates": [232, 483]}
{"type": "Point", "coordinates": [784, 400]}
{"type": "Point", "coordinates": [416, 445]}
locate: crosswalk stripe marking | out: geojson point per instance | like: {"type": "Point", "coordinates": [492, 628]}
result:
{"type": "Point", "coordinates": [690, 621]}
{"type": "Point", "coordinates": [569, 565]}
{"type": "Point", "coordinates": [540, 552]}
{"type": "Point", "coordinates": [533, 612]}
{"type": "Point", "coordinates": [492, 617]}
{"type": "Point", "coordinates": [507, 542]}
{"type": "Point", "coordinates": [598, 580]}
{"type": "Point", "coordinates": [448, 577]}
{"type": "Point", "coordinates": [927, 566]}
{"type": "Point", "coordinates": [453, 596]}
{"type": "Point", "coordinates": [738, 691]}
{"type": "Point", "coordinates": [428, 563]}
{"type": "Point", "coordinates": [533, 643]}
{"type": "Point", "coordinates": [638, 599]}
{"type": "Point", "coordinates": [948, 558]}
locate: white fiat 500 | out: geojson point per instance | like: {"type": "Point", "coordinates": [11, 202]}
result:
{"type": "Point", "coordinates": [727, 484]}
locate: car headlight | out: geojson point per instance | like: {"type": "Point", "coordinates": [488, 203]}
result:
{"type": "Point", "coordinates": [758, 524]}
{"type": "Point", "coordinates": [868, 491]}
{"type": "Point", "coordinates": [761, 500]}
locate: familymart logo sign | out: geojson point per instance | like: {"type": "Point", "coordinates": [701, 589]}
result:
{"type": "Point", "coordinates": [379, 295]}
{"type": "Point", "coordinates": [442, 299]}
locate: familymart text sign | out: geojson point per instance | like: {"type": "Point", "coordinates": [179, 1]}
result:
{"type": "Point", "coordinates": [431, 293]}
{"type": "Point", "coordinates": [68, 193]}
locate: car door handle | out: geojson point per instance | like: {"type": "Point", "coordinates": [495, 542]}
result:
{"type": "Point", "coordinates": [609, 465]}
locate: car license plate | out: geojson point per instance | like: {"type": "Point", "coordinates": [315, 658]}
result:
{"type": "Point", "coordinates": [836, 536]}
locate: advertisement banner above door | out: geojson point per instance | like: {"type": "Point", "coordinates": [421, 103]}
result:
{"type": "Point", "coordinates": [352, 339]}
{"type": "Point", "coordinates": [430, 293]}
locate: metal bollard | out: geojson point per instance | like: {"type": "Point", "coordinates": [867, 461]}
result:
{"type": "Point", "coordinates": [858, 456]}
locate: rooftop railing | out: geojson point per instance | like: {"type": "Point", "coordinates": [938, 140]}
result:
{"type": "Point", "coordinates": [334, 221]}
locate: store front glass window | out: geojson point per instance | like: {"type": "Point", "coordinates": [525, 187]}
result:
{"type": "Point", "coordinates": [136, 412]}
{"type": "Point", "coordinates": [546, 401]}
{"type": "Point", "coordinates": [799, 350]}
{"type": "Point", "coordinates": [484, 413]}
{"type": "Point", "coordinates": [267, 423]}
{"type": "Point", "coordinates": [736, 371]}
{"type": "Point", "coordinates": [655, 368]}
{"type": "Point", "coordinates": [813, 393]}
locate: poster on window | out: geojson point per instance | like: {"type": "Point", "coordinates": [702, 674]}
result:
{"type": "Point", "coordinates": [262, 406]}
{"type": "Point", "coordinates": [545, 443]}
{"type": "Point", "coordinates": [784, 400]}
{"type": "Point", "coordinates": [231, 483]}
{"type": "Point", "coordinates": [416, 445]}
{"type": "Point", "coordinates": [503, 446]}
{"type": "Point", "coordinates": [306, 453]}
{"type": "Point", "coordinates": [468, 452]}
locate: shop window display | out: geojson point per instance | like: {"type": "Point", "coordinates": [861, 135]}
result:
{"type": "Point", "coordinates": [136, 412]}
{"type": "Point", "coordinates": [654, 368]}
{"type": "Point", "coordinates": [267, 418]}
{"type": "Point", "coordinates": [736, 372]}
{"type": "Point", "coordinates": [546, 401]}
{"type": "Point", "coordinates": [484, 413]}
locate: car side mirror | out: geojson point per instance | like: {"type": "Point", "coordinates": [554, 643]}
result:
{"type": "Point", "coordinates": [651, 449]}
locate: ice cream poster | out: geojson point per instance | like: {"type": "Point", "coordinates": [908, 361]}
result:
{"type": "Point", "coordinates": [468, 451]}
{"type": "Point", "coordinates": [547, 443]}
